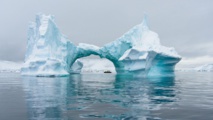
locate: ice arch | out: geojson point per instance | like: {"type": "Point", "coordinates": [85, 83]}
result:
{"type": "Point", "coordinates": [50, 53]}
{"type": "Point", "coordinates": [108, 51]}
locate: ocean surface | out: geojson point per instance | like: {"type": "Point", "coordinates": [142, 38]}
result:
{"type": "Point", "coordinates": [187, 96]}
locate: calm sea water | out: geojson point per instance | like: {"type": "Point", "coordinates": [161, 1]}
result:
{"type": "Point", "coordinates": [188, 96]}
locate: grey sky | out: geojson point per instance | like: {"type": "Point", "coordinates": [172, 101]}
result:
{"type": "Point", "coordinates": [186, 25]}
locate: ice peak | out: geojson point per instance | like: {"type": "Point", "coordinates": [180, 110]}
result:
{"type": "Point", "coordinates": [144, 24]}
{"type": "Point", "coordinates": [41, 17]}
{"type": "Point", "coordinates": [43, 22]}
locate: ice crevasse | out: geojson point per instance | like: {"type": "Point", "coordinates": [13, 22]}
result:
{"type": "Point", "coordinates": [138, 51]}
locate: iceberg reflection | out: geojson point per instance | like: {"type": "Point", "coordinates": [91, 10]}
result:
{"type": "Point", "coordinates": [97, 96]}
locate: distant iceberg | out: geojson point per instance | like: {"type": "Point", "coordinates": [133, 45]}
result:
{"type": "Point", "coordinates": [50, 53]}
{"type": "Point", "coordinates": [204, 68]}
{"type": "Point", "coordinates": [8, 66]}
{"type": "Point", "coordinates": [97, 66]}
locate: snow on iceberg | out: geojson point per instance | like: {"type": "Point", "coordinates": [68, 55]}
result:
{"type": "Point", "coordinates": [50, 53]}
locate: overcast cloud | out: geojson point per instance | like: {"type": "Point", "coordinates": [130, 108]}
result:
{"type": "Point", "coordinates": [186, 25]}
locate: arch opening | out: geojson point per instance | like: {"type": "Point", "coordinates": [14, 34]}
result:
{"type": "Point", "coordinates": [95, 64]}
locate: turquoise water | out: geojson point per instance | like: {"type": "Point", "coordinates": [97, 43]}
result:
{"type": "Point", "coordinates": [187, 96]}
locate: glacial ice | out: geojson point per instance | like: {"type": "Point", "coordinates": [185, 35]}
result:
{"type": "Point", "coordinates": [50, 53]}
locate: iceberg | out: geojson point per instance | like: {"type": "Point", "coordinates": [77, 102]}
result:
{"type": "Point", "coordinates": [204, 68]}
{"type": "Point", "coordinates": [50, 53]}
{"type": "Point", "coordinates": [9, 66]}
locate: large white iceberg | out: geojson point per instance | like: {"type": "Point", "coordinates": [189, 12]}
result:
{"type": "Point", "coordinates": [50, 53]}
